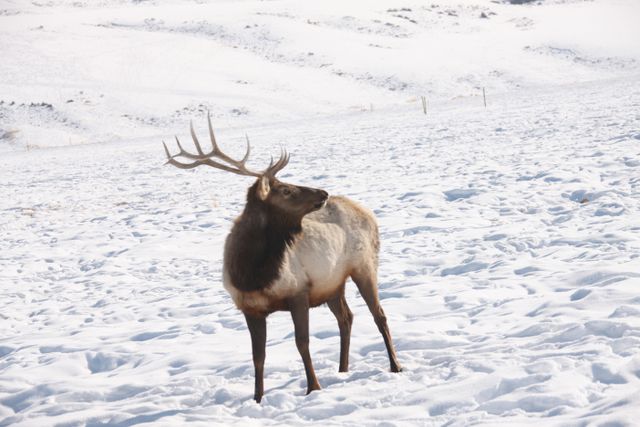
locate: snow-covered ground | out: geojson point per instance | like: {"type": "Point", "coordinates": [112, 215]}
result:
{"type": "Point", "coordinates": [510, 261]}
{"type": "Point", "coordinates": [87, 71]}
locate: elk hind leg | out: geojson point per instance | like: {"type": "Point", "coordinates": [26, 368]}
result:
{"type": "Point", "coordinates": [338, 306]}
{"type": "Point", "coordinates": [368, 287]}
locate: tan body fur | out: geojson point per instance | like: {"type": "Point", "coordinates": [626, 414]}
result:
{"type": "Point", "coordinates": [335, 241]}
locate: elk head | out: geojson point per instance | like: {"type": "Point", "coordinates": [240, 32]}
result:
{"type": "Point", "coordinates": [287, 201]}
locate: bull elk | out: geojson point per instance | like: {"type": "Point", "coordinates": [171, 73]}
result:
{"type": "Point", "coordinates": [293, 248]}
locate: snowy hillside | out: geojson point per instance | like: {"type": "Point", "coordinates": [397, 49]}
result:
{"type": "Point", "coordinates": [75, 72]}
{"type": "Point", "coordinates": [510, 260]}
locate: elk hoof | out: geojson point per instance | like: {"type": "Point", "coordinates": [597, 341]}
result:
{"type": "Point", "coordinates": [313, 388]}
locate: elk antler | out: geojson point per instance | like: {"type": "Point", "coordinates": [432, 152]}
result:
{"type": "Point", "coordinates": [236, 166]}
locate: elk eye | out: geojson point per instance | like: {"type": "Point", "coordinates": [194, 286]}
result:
{"type": "Point", "coordinates": [286, 191]}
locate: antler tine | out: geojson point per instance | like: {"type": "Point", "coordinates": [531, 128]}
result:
{"type": "Point", "coordinates": [285, 160]}
{"type": "Point", "coordinates": [219, 153]}
{"type": "Point", "coordinates": [180, 146]}
{"type": "Point", "coordinates": [166, 150]}
{"type": "Point", "coordinates": [211, 135]}
{"type": "Point", "coordinates": [183, 152]}
{"type": "Point", "coordinates": [246, 155]}
{"type": "Point", "coordinates": [197, 143]}
{"type": "Point", "coordinates": [276, 167]}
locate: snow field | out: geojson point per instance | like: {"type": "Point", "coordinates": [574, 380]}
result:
{"type": "Point", "coordinates": [76, 72]}
{"type": "Point", "coordinates": [508, 272]}
{"type": "Point", "coordinates": [509, 266]}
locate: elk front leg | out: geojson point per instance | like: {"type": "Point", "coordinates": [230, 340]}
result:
{"type": "Point", "coordinates": [258, 329]}
{"type": "Point", "coordinates": [340, 309]}
{"type": "Point", "coordinates": [300, 314]}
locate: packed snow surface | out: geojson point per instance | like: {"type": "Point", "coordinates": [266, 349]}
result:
{"type": "Point", "coordinates": [510, 235]}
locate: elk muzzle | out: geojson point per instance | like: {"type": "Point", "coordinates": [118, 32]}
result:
{"type": "Point", "coordinates": [323, 196]}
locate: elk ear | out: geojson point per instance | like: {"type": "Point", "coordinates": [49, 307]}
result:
{"type": "Point", "coordinates": [263, 188]}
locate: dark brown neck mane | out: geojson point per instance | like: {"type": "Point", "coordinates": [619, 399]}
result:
{"type": "Point", "coordinates": [258, 241]}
